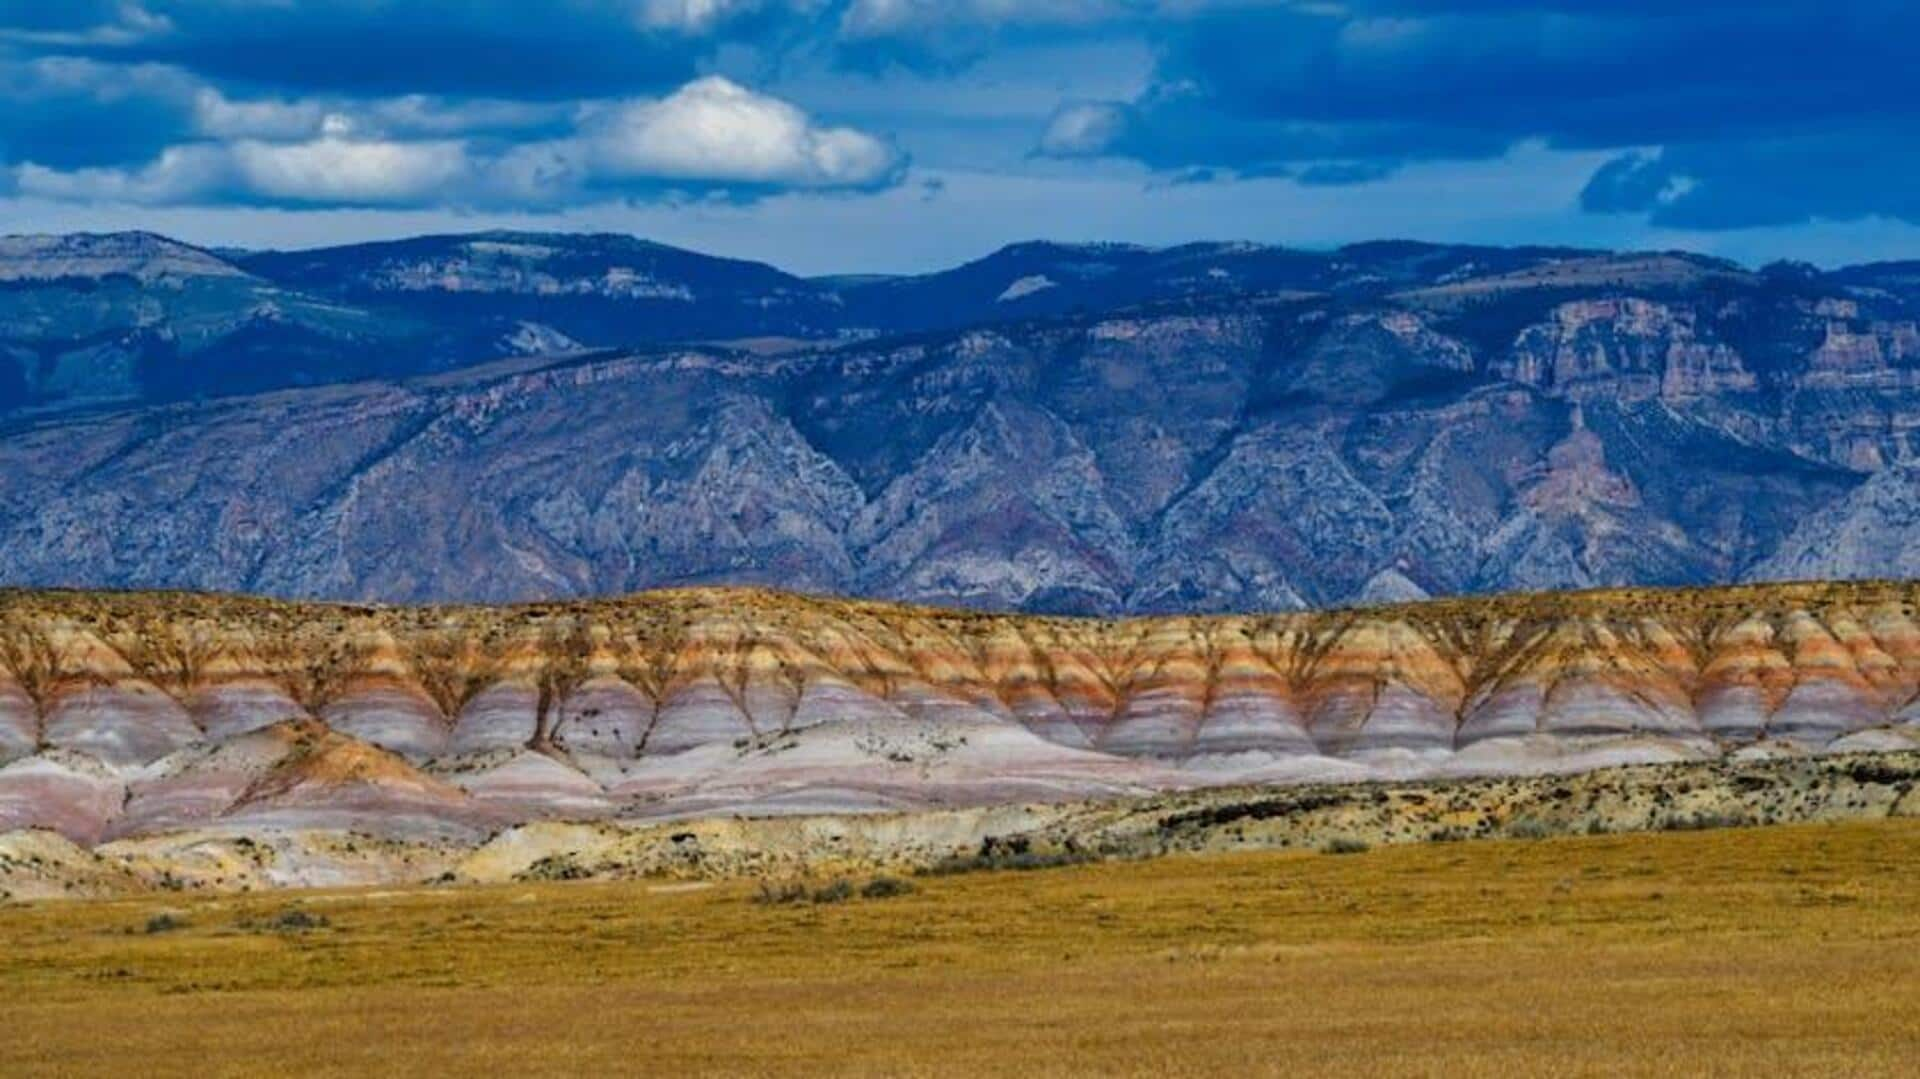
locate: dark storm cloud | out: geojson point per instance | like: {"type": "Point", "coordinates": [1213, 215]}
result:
{"type": "Point", "coordinates": [1743, 98]}
{"type": "Point", "coordinates": [67, 113]}
{"type": "Point", "coordinates": [1764, 181]}
{"type": "Point", "coordinates": [552, 49]}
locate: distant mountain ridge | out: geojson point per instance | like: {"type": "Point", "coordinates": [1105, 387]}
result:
{"type": "Point", "coordinates": [143, 256]}
{"type": "Point", "coordinates": [130, 317]}
{"type": "Point", "coordinates": [1139, 434]}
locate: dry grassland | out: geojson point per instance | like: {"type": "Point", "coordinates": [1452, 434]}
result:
{"type": "Point", "coordinates": [1788, 950]}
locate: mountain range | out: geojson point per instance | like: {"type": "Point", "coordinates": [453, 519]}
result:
{"type": "Point", "coordinates": [1055, 428]}
{"type": "Point", "coordinates": [90, 319]}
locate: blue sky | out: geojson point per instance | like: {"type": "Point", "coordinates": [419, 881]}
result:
{"type": "Point", "coordinates": [843, 135]}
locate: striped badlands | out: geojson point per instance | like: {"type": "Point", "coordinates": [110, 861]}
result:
{"type": "Point", "coordinates": [136, 714]}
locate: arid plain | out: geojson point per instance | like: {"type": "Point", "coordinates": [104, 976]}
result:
{"type": "Point", "coordinates": [1622, 832]}
{"type": "Point", "coordinates": [1785, 950]}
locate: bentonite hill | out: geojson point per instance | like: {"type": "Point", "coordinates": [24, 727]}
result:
{"type": "Point", "coordinates": [137, 715]}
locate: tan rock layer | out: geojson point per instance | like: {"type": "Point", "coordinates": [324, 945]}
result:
{"type": "Point", "coordinates": [130, 678]}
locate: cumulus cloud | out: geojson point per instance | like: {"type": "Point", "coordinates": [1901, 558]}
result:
{"type": "Point", "coordinates": [712, 135]}
{"type": "Point", "coordinates": [338, 169]}
{"type": "Point", "coordinates": [332, 169]}
{"type": "Point", "coordinates": [391, 103]}
{"type": "Point", "coordinates": [715, 130]}
{"type": "Point", "coordinates": [1085, 129]}
{"type": "Point", "coordinates": [218, 116]}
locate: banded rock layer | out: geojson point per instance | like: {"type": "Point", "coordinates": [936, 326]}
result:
{"type": "Point", "coordinates": [138, 714]}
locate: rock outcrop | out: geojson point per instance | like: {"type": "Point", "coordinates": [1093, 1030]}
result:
{"type": "Point", "coordinates": [1127, 465]}
{"type": "Point", "coordinates": [1739, 791]}
{"type": "Point", "coordinates": [132, 715]}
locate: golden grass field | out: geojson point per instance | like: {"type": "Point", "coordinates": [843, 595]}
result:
{"type": "Point", "coordinates": [1787, 950]}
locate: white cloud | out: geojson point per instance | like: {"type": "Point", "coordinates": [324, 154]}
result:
{"type": "Point", "coordinates": [219, 116]}
{"type": "Point", "coordinates": [333, 169]}
{"type": "Point", "coordinates": [710, 134]}
{"type": "Point", "coordinates": [407, 116]}
{"type": "Point", "coordinates": [692, 16]}
{"type": "Point", "coordinates": [714, 130]}
{"type": "Point", "coordinates": [1084, 129]}
{"type": "Point", "coordinates": [174, 177]}
{"type": "Point", "coordinates": [130, 24]}
{"type": "Point", "coordinates": [102, 82]}
{"type": "Point", "coordinates": [340, 169]}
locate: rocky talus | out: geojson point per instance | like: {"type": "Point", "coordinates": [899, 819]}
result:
{"type": "Point", "coordinates": [139, 715]}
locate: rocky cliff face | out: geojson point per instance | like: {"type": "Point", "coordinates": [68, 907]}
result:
{"type": "Point", "coordinates": [1260, 429]}
{"type": "Point", "coordinates": [135, 714]}
{"type": "Point", "coordinates": [1255, 455]}
{"type": "Point", "coordinates": [1624, 349]}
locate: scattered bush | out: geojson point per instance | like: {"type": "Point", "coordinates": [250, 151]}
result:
{"type": "Point", "coordinates": [295, 920]}
{"type": "Point", "coordinates": [1345, 845]}
{"type": "Point", "coordinates": [1289, 805]}
{"type": "Point", "coordinates": [886, 888]}
{"type": "Point", "coordinates": [1530, 828]}
{"type": "Point", "coordinates": [837, 891]}
{"type": "Point", "coordinates": [1008, 852]}
{"type": "Point", "coordinates": [1879, 773]}
{"type": "Point", "coordinates": [287, 920]}
{"type": "Point", "coordinates": [781, 894]}
{"type": "Point", "coordinates": [164, 923]}
{"type": "Point", "coordinates": [985, 863]}
{"type": "Point", "coordinates": [786, 893]}
{"type": "Point", "coordinates": [555, 867]}
{"type": "Point", "coordinates": [1700, 822]}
